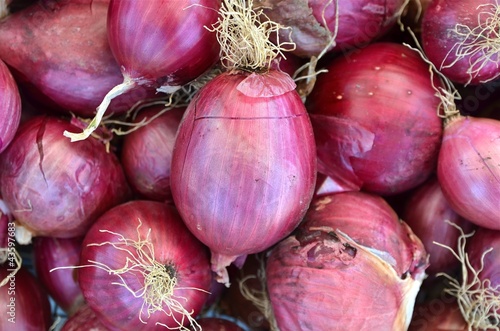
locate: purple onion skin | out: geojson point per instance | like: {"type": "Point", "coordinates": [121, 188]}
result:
{"type": "Point", "coordinates": [244, 164]}
{"type": "Point", "coordinates": [146, 153]}
{"type": "Point", "coordinates": [174, 246]}
{"type": "Point", "coordinates": [426, 212]}
{"type": "Point", "coordinates": [10, 107]}
{"type": "Point", "coordinates": [57, 188]}
{"type": "Point", "coordinates": [438, 315]}
{"type": "Point", "coordinates": [438, 39]}
{"type": "Point", "coordinates": [84, 319]}
{"type": "Point", "coordinates": [469, 169]}
{"type": "Point", "coordinates": [61, 284]}
{"type": "Point", "coordinates": [162, 42]}
{"type": "Point", "coordinates": [29, 308]}
{"type": "Point", "coordinates": [482, 240]}
{"type": "Point", "coordinates": [317, 279]}
{"type": "Point", "coordinates": [218, 324]}
{"type": "Point", "coordinates": [374, 119]}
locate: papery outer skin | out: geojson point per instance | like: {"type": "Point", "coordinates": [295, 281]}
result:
{"type": "Point", "coordinates": [10, 107]}
{"type": "Point", "coordinates": [32, 305]}
{"type": "Point", "coordinates": [360, 22]}
{"type": "Point", "coordinates": [61, 57]}
{"type": "Point", "coordinates": [83, 319]}
{"type": "Point", "coordinates": [374, 115]}
{"type": "Point", "coordinates": [469, 169]}
{"type": "Point", "coordinates": [78, 183]}
{"type": "Point", "coordinates": [244, 166]}
{"type": "Point", "coordinates": [173, 245]}
{"type": "Point", "coordinates": [438, 38]}
{"type": "Point", "coordinates": [317, 283]}
{"type": "Point", "coordinates": [146, 153]}
{"type": "Point", "coordinates": [155, 47]}
{"type": "Point", "coordinates": [427, 212]}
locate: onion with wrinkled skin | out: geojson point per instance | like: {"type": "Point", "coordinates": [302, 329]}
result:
{"type": "Point", "coordinates": [351, 265]}
{"type": "Point", "coordinates": [10, 107]}
{"type": "Point", "coordinates": [56, 188]}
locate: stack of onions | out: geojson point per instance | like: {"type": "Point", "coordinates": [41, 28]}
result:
{"type": "Point", "coordinates": [55, 188]}
{"type": "Point", "coordinates": [10, 107]}
{"type": "Point", "coordinates": [244, 162]}
{"type": "Point", "coordinates": [351, 265]}
{"type": "Point", "coordinates": [141, 268]}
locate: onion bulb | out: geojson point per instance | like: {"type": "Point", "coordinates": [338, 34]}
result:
{"type": "Point", "coordinates": [10, 107]}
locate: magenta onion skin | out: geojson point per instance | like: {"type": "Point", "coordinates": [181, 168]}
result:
{"type": "Point", "coordinates": [244, 164]}
{"type": "Point", "coordinates": [350, 262]}
{"type": "Point", "coordinates": [360, 22]}
{"type": "Point", "coordinates": [10, 107]}
{"type": "Point", "coordinates": [24, 305]}
{"type": "Point", "coordinates": [469, 169]}
{"type": "Point", "coordinates": [74, 67]}
{"type": "Point", "coordinates": [163, 42]}
{"type": "Point", "coordinates": [374, 119]}
{"type": "Point", "coordinates": [174, 246]}
{"type": "Point", "coordinates": [441, 43]}
{"type": "Point", "coordinates": [83, 319]}
{"type": "Point", "coordinates": [218, 324]}
{"type": "Point", "coordinates": [482, 240]}
{"type": "Point", "coordinates": [428, 212]}
{"type": "Point", "coordinates": [61, 284]}
{"type": "Point", "coordinates": [55, 188]}
{"type": "Point", "coordinates": [146, 153]}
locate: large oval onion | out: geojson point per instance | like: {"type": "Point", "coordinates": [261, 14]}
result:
{"type": "Point", "coordinates": [244, 164]}
{"type": "Point", "coordinates": [351, 265]}
{"type": "Point", "coordinates": [55, 188]}
{"type": "Point", "coordinates": [142, 268]}
{"type": "Point", "coordinates": [10, 107]}
{"type": "Point", "coordinates": [374, 119]}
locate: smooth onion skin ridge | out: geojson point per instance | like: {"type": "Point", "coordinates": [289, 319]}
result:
{"type": "Point", "coordinates": [360, 22]}
{"type": "Point", "coordinates": [351, 265]}
{"type": "Point", "coordinates": [57, 188]}
{"type": "Point", "coordinates": [60, 55]}
{"type": "Point", "coordinates": [163, 42]}
{"type": "Point", "coordinates": [244, 163]}
{"type": "Point", "coordinates": [173, 245]}
{"type": "Point", "coordinates": [374, 119]}
{"type": "Point", "coordinates": [10, 107]}
{"type": "Point", "coordinates": [469, 169]}
{"type": "Point", "coordinates": [147, 153]}
{"type": "Point", "coordinates": [438, 38]}
{"type": "Point", "coordinates": [32, 305]}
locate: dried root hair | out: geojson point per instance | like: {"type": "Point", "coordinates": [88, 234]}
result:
{"type": "Point", "coordinates": [478, 301]}
{"type": "Point", "coordinates": [480, 44]}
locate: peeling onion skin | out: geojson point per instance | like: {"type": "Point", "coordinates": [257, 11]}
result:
{"type": "Point", "coordinates": [79, 182]}
{"type": "Point", "coordinates": [469, 169]}
{"type": "Point", "coordinates": [10, 107]}
{"type": "Point", "coordinates": [439, 39]}
{"type": "Point", "coordinates": [351, 254]}
{"type": "Point", "coordinates": [32, 305]}
{"type": "Point", "coordinates": [163, 42]}
{"type": "Point", "coordinates": [173, 245]}
{"type": "Point", "coordinates": [374, 119]}
{"type": "Point", "coordinates": [360, 22]}
{"type": "Point", "coordinates": [146, 153]}
{"type": "Point", "coordinates": [244, 164]}
{"type": "Point", "coordinates": [60, 55]}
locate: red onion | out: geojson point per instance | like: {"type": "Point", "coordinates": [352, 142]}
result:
{"type": "Point", "coordinates": [147, 152]}
{"type": "Point", "coordinates": [461, 39]}
{"type": "Point", "coordinates": [10, 107]}
{"type": "Point", "coordinates": [374, 120]}
{"type": "Point", "coordinates": [351, 265]}
{"type": "Point", "coordinates": [427, 212]}
{"type": "Point", "coordinates": [218, 324]}
{"type": "Point", "coordinates": [50, 253]}
{"type": "Point", "coordinates": [84, 319]}
{"type": "Point", "coordinates": [162, 44]}
{"type": "Point", "coordinates": [55, 188]}
{"type": "Point", "coordinates": [469, 169]}
{"type": "Point", "coordinates": [141, 268]}
{"type": "Point", "coordinates": [438, 315]}
{"type": "Point", "coordinates": [359, 22]}
{"type": "Point", "coordinates": [73, 68]}
{"type": "Point", "coordinates": [24, 305]}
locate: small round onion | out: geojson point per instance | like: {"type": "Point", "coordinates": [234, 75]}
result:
{"type": "Point", "coordinates": [141, 267]}
{"type": "Point", "coordinates": [10, 107]}
{"type": "Point", "coordinates": [55, 188]}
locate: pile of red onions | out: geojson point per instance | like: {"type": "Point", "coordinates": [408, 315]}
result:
{"type": "Point", "coordinates": [350, 262]}
{"type": "Point", "coordinates": [10, 107]}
